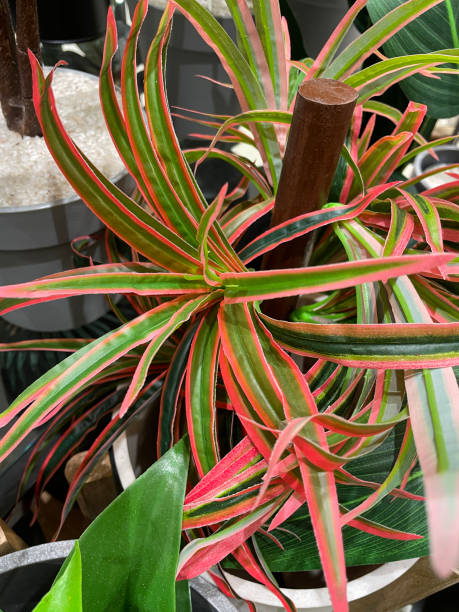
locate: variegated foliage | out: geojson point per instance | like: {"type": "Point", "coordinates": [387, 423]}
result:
{"type": "Point", "coordinates": [267, 439]}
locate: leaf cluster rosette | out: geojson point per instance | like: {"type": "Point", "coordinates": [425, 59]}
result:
{"type": "Point", "coordinates": [273, 448]}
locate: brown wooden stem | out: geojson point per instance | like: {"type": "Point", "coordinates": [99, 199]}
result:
{"type": "Point", "coordinates": [27, 37]}
{"type": "Point", "coordinates": [321, 119]}
{"type": "Point", "coordinates": [10, 88]}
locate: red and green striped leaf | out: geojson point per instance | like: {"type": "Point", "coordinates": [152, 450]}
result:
{"type": "Point", "coordinates": [121, 214]}
{"type": "Point", "coordinates": [250, 286]}
{"type": "Point", "coordinates": [200, 389]}
{"type": "Point", "coordinates": [383, 346]}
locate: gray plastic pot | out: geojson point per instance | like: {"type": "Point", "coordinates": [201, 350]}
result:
{"type": "Point", "coordinates": [317, 19]}
{"type": "Point", "coordinates": [36, 241]}
{"type": "Point", "coordinates": [27, 575]}
{"type": "Point", "coordinates": [447, 154]}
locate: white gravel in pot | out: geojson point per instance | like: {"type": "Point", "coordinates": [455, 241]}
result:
{"type": "Point", "coordinates": [28, 173]}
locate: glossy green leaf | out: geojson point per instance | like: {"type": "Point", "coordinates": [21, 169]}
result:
{"type": "Point", "coordinates": [130, 552]}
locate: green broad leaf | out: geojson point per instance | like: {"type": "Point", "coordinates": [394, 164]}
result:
{"type": "Point", "coordinates": [66, 593]}
{"type": "Point", "coordinates": [130, 552]}
{"type": "Point", "coordinates": [182, 596]}
{"type": "Point", "coordinates": [432, 31]}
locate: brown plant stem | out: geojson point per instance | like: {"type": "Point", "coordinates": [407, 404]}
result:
{"type": "Point", "coordinates": [27, 37]}
{"type": "Point", "coordinates": [321, 119]}
{"type": "Point", "coordinates": [10, 88]}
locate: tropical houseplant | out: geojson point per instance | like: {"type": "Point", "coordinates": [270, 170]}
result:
{"type": "Point", "coordinates": [268, 442]}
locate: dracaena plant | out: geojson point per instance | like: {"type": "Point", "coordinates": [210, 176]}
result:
{"type": "Point", "coordinates": [272, 447]}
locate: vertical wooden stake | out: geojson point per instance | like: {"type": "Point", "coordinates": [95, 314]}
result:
{"type": "Point", "coordinates": [27, 37]}
{"type": "Point", "coordinates": [321, 119]}
{"type": "Point", "coordinates": [10, 87]}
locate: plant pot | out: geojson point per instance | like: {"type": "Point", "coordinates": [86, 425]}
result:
{"type": "Point", "coordinates": [132, 454]}
{"type": "Point", "coordinates": [133, 450]}
{"type": "Point", "coordinates": [27, 575]}
{"type": "Point", "coordinates": [35, 240]}
{"type": "Point", "coordinates": [447, 154]}
{"type": "Point", "coordinates": [318, 600]}
{"type": "Point", "coordinates": [317, 19]}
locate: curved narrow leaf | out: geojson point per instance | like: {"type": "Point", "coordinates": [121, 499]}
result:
{"type": "Point", "coordinates": [201, 378]}
{"type": "Point", "coordinates": [374, 37]}
{"type": "Point", "coordinates": [116, 209]}
{"type": "Point", "coordinates": [249, 286]}
{"type": "Point", "coordinates": [384, 346]}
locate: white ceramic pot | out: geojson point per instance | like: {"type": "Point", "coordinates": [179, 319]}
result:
{"type": "Point", "coordinates": [318, 600]}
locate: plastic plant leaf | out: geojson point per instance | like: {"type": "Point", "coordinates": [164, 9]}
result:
{"type": "Point", "coordinates": [363, 79]}
{"type": "Point", "coordinates": [171, 396]}
{"type": "Point", "coordinates": [66, 593]}
{"type": "Point", "coordinates": [111, 108]}
{"type": "Point", "coordinates": [375, 36]}
{"type": "Point", "coordinates": [201, 378]}
{"type": "Point", "coordinates": [200, 554]}
{"type": "Point", "coordinates": [269, 25]}
{"type": "Point", "coordinates": [160, 124]}
{"type": "Point", "coordinates": [130, 552]}
{"type": "Point", "coordinates": [245, 167]}
{"type": "Point", "coordinates": [245, 82]}
{"type": "Point", "coordinates": [119, 212]}
{"type": "Point", "coordinates": [109, 278]}
{"type": "Point", "coordinates": [432, 31]}
{"type": "Point", "coordinates": [250, 286]}
{"type": "Point", "coordinates": [386, 346]}
{"type": "Point", "coordinates": [68, 376]}
{"type": "Point", "coordinates": [299, 226]}
{"type": "Point", "coordinates": [168, 204]}
{"type": "Point", "coordinates": [330, 48]}
{"type": "Point", "coordinates": [432, 395]}
{"type": "Point", "coordinates": [299, 550]}
{"type": "Point", "coordinates": [105, 439]}
{"type": "Point", "coordinates": [252, 562]}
